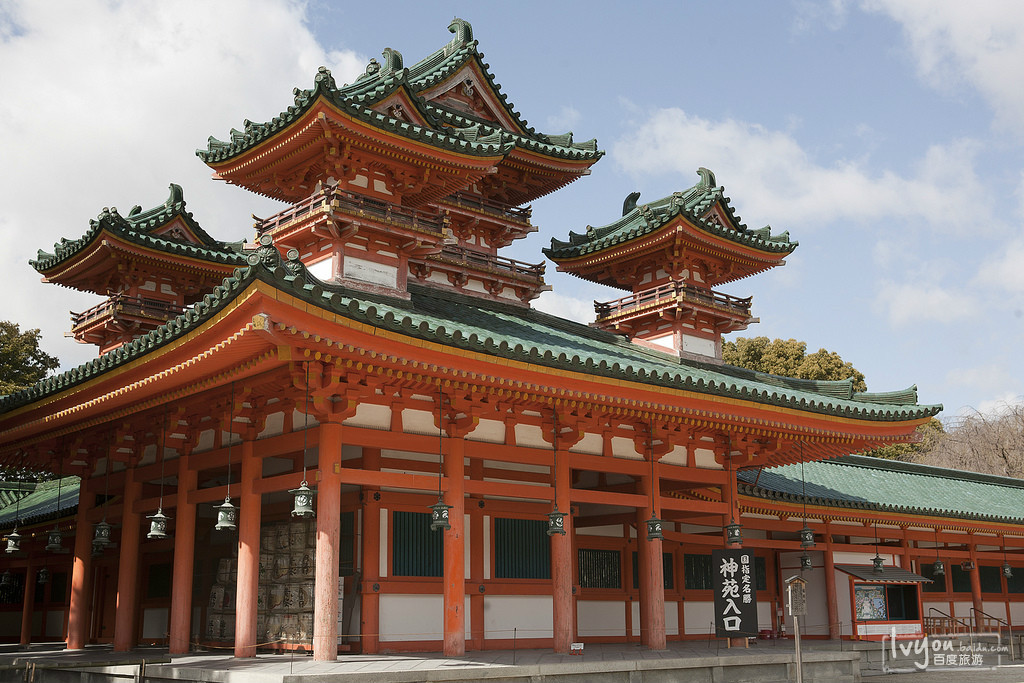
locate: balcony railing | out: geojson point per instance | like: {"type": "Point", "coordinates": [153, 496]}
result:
{"type": "Point", "coordinates": [672, 291]}
{"type": "Point", "coordinates": [353, 205]}
{"type": "Point", "coordinates": [119, 304]}
{"type": "Point", "coordinates": [499, 264]}
{"type": "Point", "coordinates": [515, 213]}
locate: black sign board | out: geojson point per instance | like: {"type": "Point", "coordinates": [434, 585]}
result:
{"type": "Point", "coordinates": [735, 593]}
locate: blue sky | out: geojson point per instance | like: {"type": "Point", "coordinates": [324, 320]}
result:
{"type": "Point", "coordinates": [885, 136]}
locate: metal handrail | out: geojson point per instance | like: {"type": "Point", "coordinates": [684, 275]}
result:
{"type": "Point", "coordinates": [1009, 626]}
{"type": "Point", "coordinates": [950, 617]}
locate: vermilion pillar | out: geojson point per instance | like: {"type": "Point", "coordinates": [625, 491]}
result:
{"type": "Point", "coordinates": [184, 560]}
{"type": "Point", "coordinates": [328, 537]}
{"type": "Point", "coordinates": [561, 559]}
{"type": "Point", "coordinates": [652, 572]}
{"type": "Point", "coordinates": [832, 602]}
{"type": "Point", "coordinates": [26, 607]}
{"type": "Point", "coordinates": [249, 516]}
{"type": "Point", "coordinates": [81, 568]}
{"type": "Point", "coordinates": [370, 604]}
{"type": "Point", "coordinates": [476, 558]}
{"type": "Point", "coordinates": [455, 553]}
{"type": "Point", "coordinates": [125, 616]}
{"type": "Point", "coordinates": [979, 606]}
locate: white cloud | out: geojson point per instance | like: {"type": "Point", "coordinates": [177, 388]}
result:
{"type": "Point", "coordinates": [564, 120]}
{"type": "Point", "coordinates": [924, 300]}
{"type": "Point", "coordinates": [978, 44]}
{"type": "Point", "coordinates": [564, 306]}
{"type": "Point", "coordinates": [809, 15]}
{"type": "Point", "coordinates": [777, 178]}
{"type": "Point", "coordinates": [1004, 270]}
{"type": "Point", "coordinates": [105, 104]}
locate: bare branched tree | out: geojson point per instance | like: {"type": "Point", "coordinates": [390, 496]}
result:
{"type": "Point", "coordinates": [991, 443]}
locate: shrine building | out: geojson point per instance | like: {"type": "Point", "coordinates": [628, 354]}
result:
{"type": "Point", "coordinates": [355, 433]}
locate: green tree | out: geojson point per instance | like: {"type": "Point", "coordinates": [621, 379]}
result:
{"type": "Point", "coordinates": [22, 362]}
{"type": "Point", "coordinates": [926, 437]}
{"type": "Point", "coordinates": [789, 358]}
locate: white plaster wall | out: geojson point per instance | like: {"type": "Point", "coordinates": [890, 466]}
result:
{"type": "Point", "coordinates": [371, 415]}
{"type": "Point", "coordinates": [764, 616]}
{"type": "Point", "coordinates": [1017, 612]}
{"type": "Point", "coordinates": [591, 444]}
{"type": "Point", "coordinates": [625, 448]}
{"type": "Point", "coordinates": [55, 623]}
{"type": "Point", "coordinates": [273, 426]}
{"type": "Point", "coordinates": [530, 435]}
{"type": "Point", "coordinates": [705, 457]}
{"type": "Point", "coordinates": [698, 617]}
{"type": "Point", "coordinates": [843, 601]}
{"type": "Point", "coordinates": [418, 421]}
{"type": "Point", "coordinates": [962, 609]}
{"type": "Point", "coordinates": [412, 617]}
{"type": "Point", "coordinates": [491, 431]}
{"type": "Point", "coordinates": [156, 622]}
{"type": "Point", "coordinates": [382, 567]}
{"type": "Point", "coordinates": [864, 558]}
{"type": "Point", "coordinates": [467, 554]}
{"type": "Point", "coordinates": [613, 530]}
{"type": "Point", "coordinates": [530, 615]}
{"type": "Point", "coordinates": [601, 617]}
{"type": "Point", "coordinates": [676, 456]}
{"type": "Point", "coordinates": [322, 269]}
{"type": "Point", "coordinates": [671, 618]}
{"type": "Point", "coordinates": [635, 609]}
{"type": "Point", "coordinates": [816, 620]}
{"type": "Point", "coordinates": [487, 544]}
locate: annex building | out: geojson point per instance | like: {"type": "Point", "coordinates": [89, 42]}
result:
{"type": "Point", "coordinates": [354, 432]}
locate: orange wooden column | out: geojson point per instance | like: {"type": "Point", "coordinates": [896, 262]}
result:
{"type": "Point", "coordinates": [126, 613]}
{"type": "Point", "coordinates": [249, 517]}
{"type": "Point", "coordinates": [455, 552]}
{"type": "Point", "coordinates": [26, 607]}
{"type": "Point", "coordinates": [370, 603]}
{"type": "Point", "coordinates": [184, 559]}
{"type": "Point", "coordinates": [652, 572]}
{"type": "Point", "coordinates": [476, 558]}
{"type": "Point", "coordinates": [562, 560]}
{"type": "Point", "coordinates": [979, 606]}
{"type": "Point", "coordinates": [328, 538]}
{"type": "Point", "coordinates": [835, 630]}
{"type": "Point", "coordinates": [81, 568]}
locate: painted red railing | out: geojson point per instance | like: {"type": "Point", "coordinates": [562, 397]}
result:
{"type": "Point", "coordinates": [126, 305]}
{"type": "Point", "coordinates": [669, 292]}
{"type": "Point", "coordinates": [353, 205]}
{"type": "Point", "coordinates": [478, 260]}
{"type": "Point", "coordinates": [516, 213]}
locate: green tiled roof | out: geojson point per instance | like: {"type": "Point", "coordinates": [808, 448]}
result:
{"type": "Point", "coordinates": [503, 331]}
{"type": "Point", "coordinates": [693, 204]}
{"type": "Point", "coordinates": [42, 503]}
{"type": "Point", "coordinates": [867, 483]}
{"type": "Point", "coordinates": [137, 227]}
{"type": "Point", "coordinates": [445, 128]}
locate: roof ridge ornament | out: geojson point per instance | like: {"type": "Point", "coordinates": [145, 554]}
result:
{"type": "Point", "coordinates": [463, 31]}
{"type": "Point", "coordinates": [628, 205]}
{"type": "Point", "coordinates": [707, 179]}
{"type": "Point", "coordinates": [323, 80]}
{"type": "Point", "coordinates": [392, 60]}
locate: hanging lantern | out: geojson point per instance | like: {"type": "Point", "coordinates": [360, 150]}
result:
{"type": "Point", "coordinates": [101, 535]}
{"type": "Point", "coordinates": [878, 565]}
{"type": "Point", "coordinates": [1007, 570]}
{"type": "Point", "coordinates": [43, 577]}
{"type": "Point", "coordinates": [303, 501]}
{"type": "Point", "coordinates": [938, 568]}
{"type": "Point", "coordinates": [439, 516]}
{"type": "Point", "coordinates": [967, 565]}
{"type": "Point", "coordinates": [13, 541]}
{"type": "Point", "coordinates": [806, 537]}
{"type": "Point", "coordinates": [556, 522]}
{"type": "Point", "coordinates": [733, 533]}
{"type": "Point", "coordinates": [227, 514]}
{"type": "Point", "coordinates": [54, 540]}
{"type": "Point", "coordinates": [805, 562]}
{"type": "Point", "coordinates": [158, 525]}
{"type": "Point", "coordinates": [654, 529]}
{"type": "Point", "coordinates": [6, 579]}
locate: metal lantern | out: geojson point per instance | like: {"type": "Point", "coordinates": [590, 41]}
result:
{"type": "Point", "coordinates": [303, 503]}
{"type": "Point", "coordinates": [733, 533]}
{"type": "Point", "coordinates": [1007, 570]}
{"type": "Point", "coordinates": [556, 522]}
{"type": "Point", "coordinates": [54, 540]}
{"type": "Point", "coordinates": [654, 529]}
{"type": "Point", "coordinates": [938, 568]}
{"type": "Point", "coordinates": [439, 516]}
{"type": "Point", "coordinates": [805, 562]}
{"type": "Point", "coordinates": [227, 516]}
{"type": "Point", "coordinates": [43, 577]}
{"type": "Point", "coordinates": [967, 565]}
{"type": "Point", "coordinates": [806, 537]}
{"type": "Point", "coordinates": [878, 564]}
{"type": "Point", "coordinates": [101, 535]}
{"type": "Point", "coordinates": [158, 525]}
{"type": "Point", "coordinates": [14, 541]}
